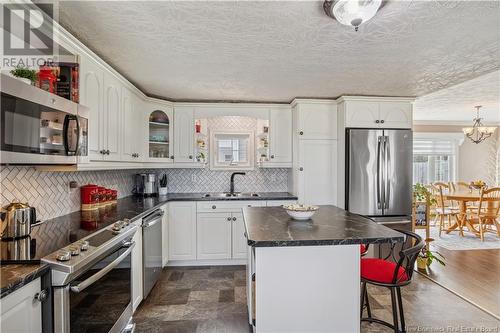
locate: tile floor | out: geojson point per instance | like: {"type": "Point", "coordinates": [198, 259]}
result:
{"type": "Point", "coordinates": [213, 299]}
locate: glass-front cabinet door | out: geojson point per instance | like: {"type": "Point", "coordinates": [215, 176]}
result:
{"type": "Point", "coordinates": [160, 134]}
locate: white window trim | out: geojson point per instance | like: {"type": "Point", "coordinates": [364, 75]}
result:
{"type": "Point", "coordinates": [456, 137]}
{"type": "Point", "coordinates": [214, 165]}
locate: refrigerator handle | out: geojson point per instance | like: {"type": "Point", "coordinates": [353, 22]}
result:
{"type": "Point", "coordinates": [387, 156]}
{"type": "Point", "coordinates": [379, 159]}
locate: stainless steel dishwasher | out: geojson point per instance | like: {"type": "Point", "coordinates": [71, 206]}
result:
{"type": "Point", "coordinates": [151, 250]}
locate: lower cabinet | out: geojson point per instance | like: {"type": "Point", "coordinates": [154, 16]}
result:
{"type": "Point", "coordinates": [21, 311]}
{"type": "Point", "coordinates": [137, 269]}
{"type": "Point", "coordinates": [182, 231]}
{"type": "Point", "coordinates": [239, 246]}
{"type": "Point", "coordinates": [208, 230]}
{"type": "Point", "coordinates": [214, 236]}
{"type": "Point", "coordinates": [164, 238]}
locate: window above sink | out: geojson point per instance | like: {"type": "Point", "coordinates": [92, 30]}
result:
{"type": "Point", "coordinates": [232, 150]}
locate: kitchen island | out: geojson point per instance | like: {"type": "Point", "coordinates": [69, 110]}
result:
{"type": "Point", "coordinates": [304, 276]}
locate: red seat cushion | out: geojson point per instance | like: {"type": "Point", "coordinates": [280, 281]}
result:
{"type": "Point", "coordinates": [380, 270]}
{"type": "Point", "coordinates": [362, 248]}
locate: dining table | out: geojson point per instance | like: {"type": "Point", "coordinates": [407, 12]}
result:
{"type": "Point", "coordinates": [463, 197]}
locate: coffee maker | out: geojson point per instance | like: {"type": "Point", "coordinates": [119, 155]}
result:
{"type": "Point", "coordinates": [145, 185]}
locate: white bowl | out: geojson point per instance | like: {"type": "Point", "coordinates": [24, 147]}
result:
{"type": "Point", "coordinates": [300, 212]}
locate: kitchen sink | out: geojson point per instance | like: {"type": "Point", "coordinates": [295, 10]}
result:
{"type": "Point", "coordinates": [231, 195]}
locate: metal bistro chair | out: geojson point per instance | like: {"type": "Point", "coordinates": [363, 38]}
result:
{"type": "Point", "coordinates": [392, 274]}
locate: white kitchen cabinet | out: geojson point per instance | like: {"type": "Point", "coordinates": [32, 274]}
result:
{"type": "Point", "coordinates": [280, 138]}
{"type": "Point", "coordinates": [136, 262]}
{"type": "Point", "coordinates": [164, 238]}
{"type": "Point", "coordinates": [111, 124]}
{"type": "Point", "coordinates": [376, 113]}
{"type": "Point", "coordinates": [317, 172]}
{"type": "Point", "coordinates": [184, 135]}
{"type": "Point", "coordinates": [21, 311]}
{"type": "Point", "coordinates": [182, 230]}
{"type": "Point", "coordinates": [396, 114]}
{"type": "Point", "coordinates": [91, 95]}
{"type": "Point", "coordinates": [315, 120]}
{"type": "Point", "coordinates": [214, 236]}
{"type": "Point", "coordinates": [132, 127]}
{"type": "Point", "coordinates": [239, 244]}
{"type": "Point", "coordinates": [158, 133]}
{"type": "Point", "coordinates": [362, 114]}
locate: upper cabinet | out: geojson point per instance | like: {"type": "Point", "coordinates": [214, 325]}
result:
{"type": "Point", "coordinates": [377, 113]}
{"type": "Point", "coordinates": [132, 127]}
{"type": "Point", "coordinates": [280, 137]}
{"type": "Point", "coordinates": [91, 95]}
{"type": "Point", "coordinates": [315, 119]}
{"type": "Point", "coordinates": [184, 134]}
{"type": "Point", "coordinates": [112, 115]}
{"type": "Point", "coordinates": [159, 132]}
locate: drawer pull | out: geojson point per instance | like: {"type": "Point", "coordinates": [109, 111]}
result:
{"type": "Point", "coordinates": [214, 207]}
{"type": "Point", "coordinates": [41, 296]}
{"type": "Point", "coordinates": [229, 218]}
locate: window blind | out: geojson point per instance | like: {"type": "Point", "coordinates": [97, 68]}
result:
{"type": "Point", "coordinates": [433, 147]}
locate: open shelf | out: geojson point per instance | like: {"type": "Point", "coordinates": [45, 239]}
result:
{"type": "Point", "coordinates": [154, 123]}
{"type": "Point", "coordinates": [159, 143]}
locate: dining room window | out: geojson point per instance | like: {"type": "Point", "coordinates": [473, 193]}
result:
{"type": "Point", "coordinates": [434, 159]}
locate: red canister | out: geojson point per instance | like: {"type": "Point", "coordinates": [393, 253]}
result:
{"type": "Point", "coordinates": [89, 197]}
{"type": "Point", "coordinates": [109, 195]}
{"type": "Point", "coordinates": [114, 197]}
{"type": "Point", "coordinates": [103, 196]}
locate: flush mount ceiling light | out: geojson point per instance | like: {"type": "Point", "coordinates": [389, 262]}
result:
{"type": "Point", "coordinates": [352, 12]}
{"type": "Point", "coordinates": [478, 133]}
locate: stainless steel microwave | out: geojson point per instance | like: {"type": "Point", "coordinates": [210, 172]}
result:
{"type": "Point", "coordinates": [37, 127]}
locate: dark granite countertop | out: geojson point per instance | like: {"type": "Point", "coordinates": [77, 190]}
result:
{"type": "Point", "coordinates": [272, 226]}
{"type": "Point", "coordinates": [14, 276]}
{"type": "Point", "coordinates": [59, 232]}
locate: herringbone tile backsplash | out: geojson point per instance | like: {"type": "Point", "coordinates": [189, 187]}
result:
{"type": "Point", "coordinates": [49, 192]}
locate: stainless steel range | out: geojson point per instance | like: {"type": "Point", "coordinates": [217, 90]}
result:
{"type": "Point", "coordinates": [92, 281]}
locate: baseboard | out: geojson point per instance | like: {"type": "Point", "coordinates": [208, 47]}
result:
{"type": "Point", "coordinates": [215, 262]}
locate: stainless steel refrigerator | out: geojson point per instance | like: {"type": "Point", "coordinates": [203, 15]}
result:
{"type": "Point", "coordinates": [379, 173]}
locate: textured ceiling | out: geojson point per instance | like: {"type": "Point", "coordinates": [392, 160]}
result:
{"type": "Point", "coordinates": [457, 103]}
{"type": "Point", "coordinates": [276, 50]}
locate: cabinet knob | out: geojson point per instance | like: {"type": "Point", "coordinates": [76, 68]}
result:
{"type": "Point", "coordinates": [377, 121]}
{"type": "Point", "coordinates": [229, 218]}
{"type": "Point", "coordinates": [214, 206]}
{"type": "Point", "coordinates": [107, 152]}
{"type": "Point", "coordinates": [301, 133]}
{"type": "Point", "coordinates": [272, 156]}
{"type": "Point", "coordinates": [382, 121]}
{"type": "Point", "coordinates": [41, 296]}
{"type": "Point", "coordinates": [190, 157]}
{"type": "Point", "coordinates": [234, 218]}
{"type": "Point", "coordinates": [301, 169]}
{"type": "Point", "coordinates": [172, 157]}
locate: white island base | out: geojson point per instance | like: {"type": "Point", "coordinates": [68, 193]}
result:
{"type": "Point", "coordinates": [304, 289]}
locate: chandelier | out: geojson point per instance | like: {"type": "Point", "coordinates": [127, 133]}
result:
{"type": "Point", "coordinates": [352, 12]}
{"type": "Point", "coordinates": [478, 133]}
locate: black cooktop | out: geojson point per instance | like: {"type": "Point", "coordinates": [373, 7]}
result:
{"type": "Point", "coordinates": [57, 233]}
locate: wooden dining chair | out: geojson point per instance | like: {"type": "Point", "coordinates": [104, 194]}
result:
{"type": "Point", "coordinates": [445, 210]}
{"type": "Point", "coordinates": [434, 195]}
{"type": "Point", "coordinates": [487, 215]}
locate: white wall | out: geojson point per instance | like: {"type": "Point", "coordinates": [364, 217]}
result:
{"type": "Point", "coordinates": [478, 161]}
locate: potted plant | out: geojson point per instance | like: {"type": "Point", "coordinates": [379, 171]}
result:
{"type": "Point", "coordinates": [29, 76]}
{"type": "Point", "coordinates": [421, 193]}
{"type": "Point", "coordinates": [162, 189]}
{"type": "Point", "coordinates": [426, 257]}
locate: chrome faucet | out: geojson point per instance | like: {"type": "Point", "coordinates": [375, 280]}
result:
{"type": "Point", "coordinates": [231, 184]}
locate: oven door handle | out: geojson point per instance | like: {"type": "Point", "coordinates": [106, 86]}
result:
{"type": "Point", "coordinates": [86, 283]}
